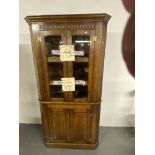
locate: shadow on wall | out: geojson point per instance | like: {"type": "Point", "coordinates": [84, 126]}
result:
{"type": "Point", "coordinates": [131, 116]}
{"type": "Point", "coordinates": [117, 108]}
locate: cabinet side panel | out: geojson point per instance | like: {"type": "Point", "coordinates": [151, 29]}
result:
{"type": "Point", "coordinates": [95, 123]}
{"type": "Point", "coordinates": [37, 60]}
{"type": "Point", "coordinates": [45, 122]}
{"type": "Point", "coordinates": [99, 61]}
{"type": "Point", "coordinates": [103, 45]}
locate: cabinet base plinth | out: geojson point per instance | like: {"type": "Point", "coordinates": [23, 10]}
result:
{"type": "Point", "coordinates": [72, 145]}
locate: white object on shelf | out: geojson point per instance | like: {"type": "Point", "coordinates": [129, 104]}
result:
{"type": "Point", "coordinates": [55, 52]}
{"type": "Point", "coordinates": [77, 53]}
{"type": "Point", "coordinates": [86, 69]}
{"type": "Point", "coordinates": [68, 84]}
{"type": "Point", "coordinates": [57, 83]}
{"type": "Point", "coordinates": [80, 53]}
{"type": "Point", "coordinates": [67, 53]}
{"type": "Point", "coordinates": [80, 82]}
{"type": "Point", "coordinates": [77, 82]}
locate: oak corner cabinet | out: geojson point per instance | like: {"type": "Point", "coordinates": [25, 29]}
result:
{"type": "Point", "coordinates": [70, 113]}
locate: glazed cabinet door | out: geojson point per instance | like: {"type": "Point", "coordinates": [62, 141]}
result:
{"type": "Point", "coordinates": [53, 68]}
{"type": "Point", "coordinates": [82, 68]}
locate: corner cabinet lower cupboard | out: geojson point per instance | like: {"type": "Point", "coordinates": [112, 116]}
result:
{"type": "Point", "coordinates": [68, 53]}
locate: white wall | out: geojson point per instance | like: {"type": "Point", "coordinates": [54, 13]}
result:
{"type": "Point", "coordinates": [118, 86]}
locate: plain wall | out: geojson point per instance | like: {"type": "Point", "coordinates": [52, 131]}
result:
{"type": "Point", "coordinates": [118, 86]}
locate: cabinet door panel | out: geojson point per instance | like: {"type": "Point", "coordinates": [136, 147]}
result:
{"type": "Point", "coordinates": [55, 120]}
{"type": "Point", "coordinates": [59, 126]}
{"type": "Point", "coordinates": [84, 124]}
{"type": "Point", "coordinates": [54, 69]}
{"type": "Point", "coordinates": [79, 127]}
{"type": "Point", "coordinates": [82, 67]}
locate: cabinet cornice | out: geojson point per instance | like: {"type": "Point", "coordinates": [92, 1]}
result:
{"type": "Point", "coordinates": [102, 17]}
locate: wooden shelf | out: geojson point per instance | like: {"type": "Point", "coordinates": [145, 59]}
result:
{"type": "Point", "coordinates": [81, 59]}
{"type": "Point", "coordinates": [57, 59]}
{"type": "Point", "coordinates": [53, 59]}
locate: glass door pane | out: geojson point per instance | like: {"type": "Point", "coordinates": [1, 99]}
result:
{"type": "Point", "coordinates": [80, 72]}
{"type": "Point", "coordinates": [55, 69]}
{"type": "Point", "coordinates": [81, 67]}
{"type": "Point", "coordinates": [55, 73]}
{"type": "Point", "coordinates": [52, 45]}
{"type": "Point", "coordinates": [81, 44]}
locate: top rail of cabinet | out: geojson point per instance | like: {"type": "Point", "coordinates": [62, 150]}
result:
{"type": "Point", "coordinates": [69, 18]}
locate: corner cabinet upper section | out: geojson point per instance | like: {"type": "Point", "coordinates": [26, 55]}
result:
{"type": "Point", "coordinates": [87, 34]}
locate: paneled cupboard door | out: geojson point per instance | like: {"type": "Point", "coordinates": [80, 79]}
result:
{"type": "Point", "coordinates": [81, 69]}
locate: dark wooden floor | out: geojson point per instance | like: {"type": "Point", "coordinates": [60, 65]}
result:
{"type": "Point", "coordinates": [112, 141]}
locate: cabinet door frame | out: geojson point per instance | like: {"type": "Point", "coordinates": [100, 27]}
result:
{"type": "Point", "coordinates": [42, 34]}
{"type": "Point", "coordinates": [91, 33]}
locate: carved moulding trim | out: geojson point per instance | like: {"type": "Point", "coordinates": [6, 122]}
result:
{"type": "Point", "coordinates": [66, 26]}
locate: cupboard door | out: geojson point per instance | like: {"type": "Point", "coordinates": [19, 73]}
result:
{"type": "Point", "coordinates": [68, 123]}
{"type": "Point", "coordinates": [84, 124]}
{"type": "Point", "coordinates": [53, 68]}
{"type": "Point", "coordinates": [80, 126]}
{"type": "Point", "coordinates": [54, 120]}
{"type": "Point", "coordinates": [82, 67]}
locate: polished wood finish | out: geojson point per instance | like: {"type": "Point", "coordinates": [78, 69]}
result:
{"type": "Point", "coordinates": [77, 59]}
{"type": "Point", "coordinates": [70, 121]}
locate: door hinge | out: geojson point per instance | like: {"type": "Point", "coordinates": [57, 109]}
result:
{"type": "Point", "coordinates": [94, 38]}
{"type": "Point", "coordinates": [39, 39]}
